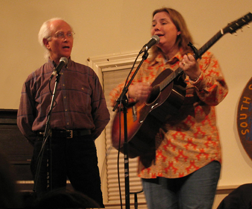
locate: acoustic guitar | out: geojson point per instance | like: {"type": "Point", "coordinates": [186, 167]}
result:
{"type": "Point", "coordinates": [168, 91]}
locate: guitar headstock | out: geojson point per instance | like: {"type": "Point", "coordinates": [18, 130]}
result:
{"type": "Point", "coordinates": [237, 24]}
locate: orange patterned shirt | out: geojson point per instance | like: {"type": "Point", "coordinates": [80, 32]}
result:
{"type": "Point", "coordinates": [190, 140]}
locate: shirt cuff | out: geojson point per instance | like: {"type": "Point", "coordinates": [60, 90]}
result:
{"type": "Point", "coordinates": [196, 80]}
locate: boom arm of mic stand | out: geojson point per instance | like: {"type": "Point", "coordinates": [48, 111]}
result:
{"type": "Point", "coordinates": [123, 99]}
{"type": "Point", "coordinates": [126, 88]}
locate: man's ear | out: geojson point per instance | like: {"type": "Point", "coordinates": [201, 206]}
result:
{"type": "Point", "coordinates": [46, 43]}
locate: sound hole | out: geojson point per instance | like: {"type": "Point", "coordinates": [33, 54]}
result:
{"type": "Point", "coordinates": [153, 95]}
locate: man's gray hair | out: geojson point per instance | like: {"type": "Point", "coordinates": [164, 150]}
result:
{"type": "Point", "coordinates": [45, 33]}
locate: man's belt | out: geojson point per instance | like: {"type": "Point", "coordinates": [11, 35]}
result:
{"type": "Point", "coordinates": [59, 133]}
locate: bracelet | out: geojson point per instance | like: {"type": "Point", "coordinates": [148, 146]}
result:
{"type": "Point", "coordinates": [194, 80]}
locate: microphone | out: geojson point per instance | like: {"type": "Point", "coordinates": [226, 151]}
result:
{"type": "Point", "coordinates": [63, 61]}
{"type": "Point", "coordinates": [154, 40]}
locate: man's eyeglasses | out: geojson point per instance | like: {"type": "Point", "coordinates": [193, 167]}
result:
{"type": "Point", "coordinates": [62, 35]}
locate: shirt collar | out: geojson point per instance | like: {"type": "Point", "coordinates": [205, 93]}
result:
{"type": "Point", "coordinates": [160, 58]}
{"type": "Point", "coordinates": [54, 65]}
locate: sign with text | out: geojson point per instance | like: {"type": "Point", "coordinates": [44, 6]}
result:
{"type": "Point", "coordinates": [244, 118]}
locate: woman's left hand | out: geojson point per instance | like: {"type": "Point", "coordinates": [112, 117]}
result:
{"type": "Point", "coordinates": [190, 67]}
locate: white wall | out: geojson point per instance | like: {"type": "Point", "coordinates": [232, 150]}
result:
{"type": "Point", "coordinates": [117, 26]}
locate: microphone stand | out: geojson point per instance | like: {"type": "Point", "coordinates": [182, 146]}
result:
{"type": "Point", "coordinates": [123, 99]}
{"type": "Point", "coordinates": [46, 139]}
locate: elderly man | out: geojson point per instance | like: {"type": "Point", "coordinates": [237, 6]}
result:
{"type": "Point", "coordinates": [79, 114]}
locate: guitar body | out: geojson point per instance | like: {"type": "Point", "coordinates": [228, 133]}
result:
{"type": "Point", "coordinates": [145, 119]}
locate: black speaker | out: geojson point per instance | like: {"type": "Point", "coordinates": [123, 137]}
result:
{"type": "Point", "coordinates": [16, 148]}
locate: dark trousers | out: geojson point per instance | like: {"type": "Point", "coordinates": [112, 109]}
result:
{"type": "Point", "coordinates": [75, 159]}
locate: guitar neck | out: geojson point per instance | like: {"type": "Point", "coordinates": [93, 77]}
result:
{"type": "Point", "coordinates": [208, 44]}
{"type": "Point", "coordinates": [199, 53]}
{"type": "Point", "coordinates": [170, 78]}
{"type": "Point", "coordinates": [230, 28]}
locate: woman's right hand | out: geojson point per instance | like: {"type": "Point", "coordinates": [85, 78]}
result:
{"type": "Point", "coordinates": [139, 91]}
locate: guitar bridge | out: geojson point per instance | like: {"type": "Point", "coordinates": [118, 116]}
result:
{"type": "Point", "coordinates": [134, 113]}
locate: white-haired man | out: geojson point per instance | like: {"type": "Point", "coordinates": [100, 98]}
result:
{"type": "Point", "coordinates": [78, 116]}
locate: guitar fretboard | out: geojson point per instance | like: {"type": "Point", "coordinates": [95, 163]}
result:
{"type": "Point", "coordinates": [170, 78]}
